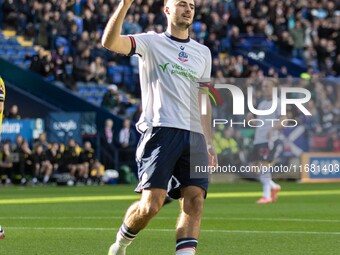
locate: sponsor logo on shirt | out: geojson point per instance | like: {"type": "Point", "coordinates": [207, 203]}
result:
{"type": "Point", "coordinates": [176, 69]}
{"type": "Point", "coordinates": [182, 55]}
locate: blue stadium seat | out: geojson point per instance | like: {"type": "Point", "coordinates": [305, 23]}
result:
{"type": "Point", "coordinates": [117, 76]}
{"type": "Point", "coordinates": [21, 53]}
{"type": "Point", "coordinates": [91, 84]}
{"type": "Point", "coordinates": [27, 64]}
{"type": "Point", "coordinates": [197, 26]}
{"type": "Point", "coordinates": [19, 62]}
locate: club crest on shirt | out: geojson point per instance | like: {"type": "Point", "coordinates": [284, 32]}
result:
{"type": "Point", "coordinates": [182, 55]}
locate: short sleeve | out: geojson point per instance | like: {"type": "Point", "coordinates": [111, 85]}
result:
{"type": "Point", "coordinates": [206, 76]}
{"type": "Point", "coordinates": [141, 43]}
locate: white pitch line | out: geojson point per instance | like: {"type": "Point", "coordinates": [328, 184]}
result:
{"type": "Point", "coordinates": [173, 230]}
{"type": "Point", "coordinates": [167, 218]}
{"type": "Point", "coordinates": [272, 219]}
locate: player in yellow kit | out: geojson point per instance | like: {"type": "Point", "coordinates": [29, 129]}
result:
{"type": "Point", "coordinates": [2, 100]}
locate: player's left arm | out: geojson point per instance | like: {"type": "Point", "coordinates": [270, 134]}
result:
{"type": "Point", "coordinates": [206, 119]}
{"type": "Point", "coordinates": [206, 126]}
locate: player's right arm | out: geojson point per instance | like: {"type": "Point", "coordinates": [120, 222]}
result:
{"type": "Point", "coordinates": [112, 38]}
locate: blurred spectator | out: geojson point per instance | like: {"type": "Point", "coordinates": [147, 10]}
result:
{"type": "Point", "coordinates": [42, 140]}
{"type": "Point", "coordinates": [235, 37]}
{"type": "Point", "coordinates": [122, 105]}
{"type": "Point", "coordinates": [13, 113]}
{"type": "Point", "coordinates": [227, 147]}
{"type": "Point", "coordinates": [59, 60]}
{"type": "Point", "coordinates": [25, 162]}
{"type": "Point", "coordinates": [44, 29]}
{"type": "Point", "coordinates": [17, 144]}
{"type": "Point", "coordinates": [307, 30]}
{"type": "Point", "coordinates": [42, 64]}
{"type": "Point", "coordinates": [108, 144]}
{"type": "Point", "coordinates": [54, 156]}
{"type": "Point", "coordinates": [336, 65]}
{"type": "Point", "coordinates": [58, 25]}
{"type": "Point", "coordinates": [37, 61]}
{"type": "Point", "coordinates": [323, 52]}
{"type": "Point", "coordinates": [103, 15]}
{"type": "Point", "coordinates": [42, 166]}
{"type": "Point", "coordinates": [312, 122]}
{"type": "Point", "coordinates": [298, 36]}
{"type": "Point", "coordinates": [127, 137]}
{"type": "Point", "coordinates": [22, 14]}
{"type": "Point", "coordinates": [91, 166]}
{"type": "Point", "coordinates": [109, 138]}
{"type": "Point", "coordinates": [110, 98]}
{"type": "Point", "coordinates": [6, 164]}
{"type": "Point", "coordinates": [69, 20]}
{"type": "Point", "coordinates": [241, 146]}
{"type": "Point", "coordinates": [9, 10]}
{"type": "Point", "coordinates": [71, 160]}
{"type": "Point", "coordinates": [73, 39]}
{"type": "Point", "coordinates": [98, 71]}
{"type": "Point", "coordinates": [327, 116]}
{"type": "Point", "coordinates": [127, 141]}
{"type": "Point", "coordinates": [130, 26]}
{"type": "Point", "coordinates": [83, 44]}
{"type": "Point", "coordinates": [286, 43]}
{"type": "Point", "coordinates": [99, 51]}
{"type": "Point", "coordinates": [221, 25]}
{"type": "Point", "coordinates": [89, 22]}
{"type": "Point", "coordinates": [333, 143]}
{"type": "Point", "coordinates": [81, 67]}
{"type": "Point", "coordinates": [136, 115]}
{"type": "Point", "coordinates": [16, 149]}
{"type": "Point", "coordinates": [48, 66]}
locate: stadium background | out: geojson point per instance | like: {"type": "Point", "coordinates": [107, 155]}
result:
{"type": "Point", "coordinates": [58, 74]}
{"type": "Point", "coordinates": [60, 41]}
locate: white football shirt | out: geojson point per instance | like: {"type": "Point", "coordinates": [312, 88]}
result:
{"type": "Point", "coordinates": [170, 72]}
{"type": "Point", "coordinates": [262, 133]}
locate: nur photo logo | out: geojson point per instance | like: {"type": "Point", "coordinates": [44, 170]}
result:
{"type": "Point", "coordinates": [244, 103]}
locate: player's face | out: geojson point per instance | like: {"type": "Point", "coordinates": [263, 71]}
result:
{"type": "Point", "coordinates": [181, 12]}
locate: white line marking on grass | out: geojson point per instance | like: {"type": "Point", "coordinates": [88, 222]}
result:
{"type": "Point", "coordinates": [44, 200]}
{"type": "Point", "coordinates": [282, 193]}
{"type": "Point", "coordinates": [165, 218]}
{"type": "Point", "coordinates": [173, 230]}
{"type": "Point", "coordinates": [272, 219]}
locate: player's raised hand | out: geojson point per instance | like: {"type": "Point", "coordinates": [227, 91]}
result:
{"type": "Point", "coordinates": [127, 2]}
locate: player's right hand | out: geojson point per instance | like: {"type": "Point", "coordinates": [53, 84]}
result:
{"type": "Point", "coordinates": [127, 2]}
{"type": "Point", "coordinates": [212, 156]}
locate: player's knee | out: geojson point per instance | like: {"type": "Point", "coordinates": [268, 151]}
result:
{"type": "Point", "coordinates": [194, 205]}
{"type": "Point", "coordinates": [149, 209]}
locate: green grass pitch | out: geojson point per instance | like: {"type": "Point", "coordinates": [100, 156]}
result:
{"type": "Point", "coordinates": [84, 220]}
